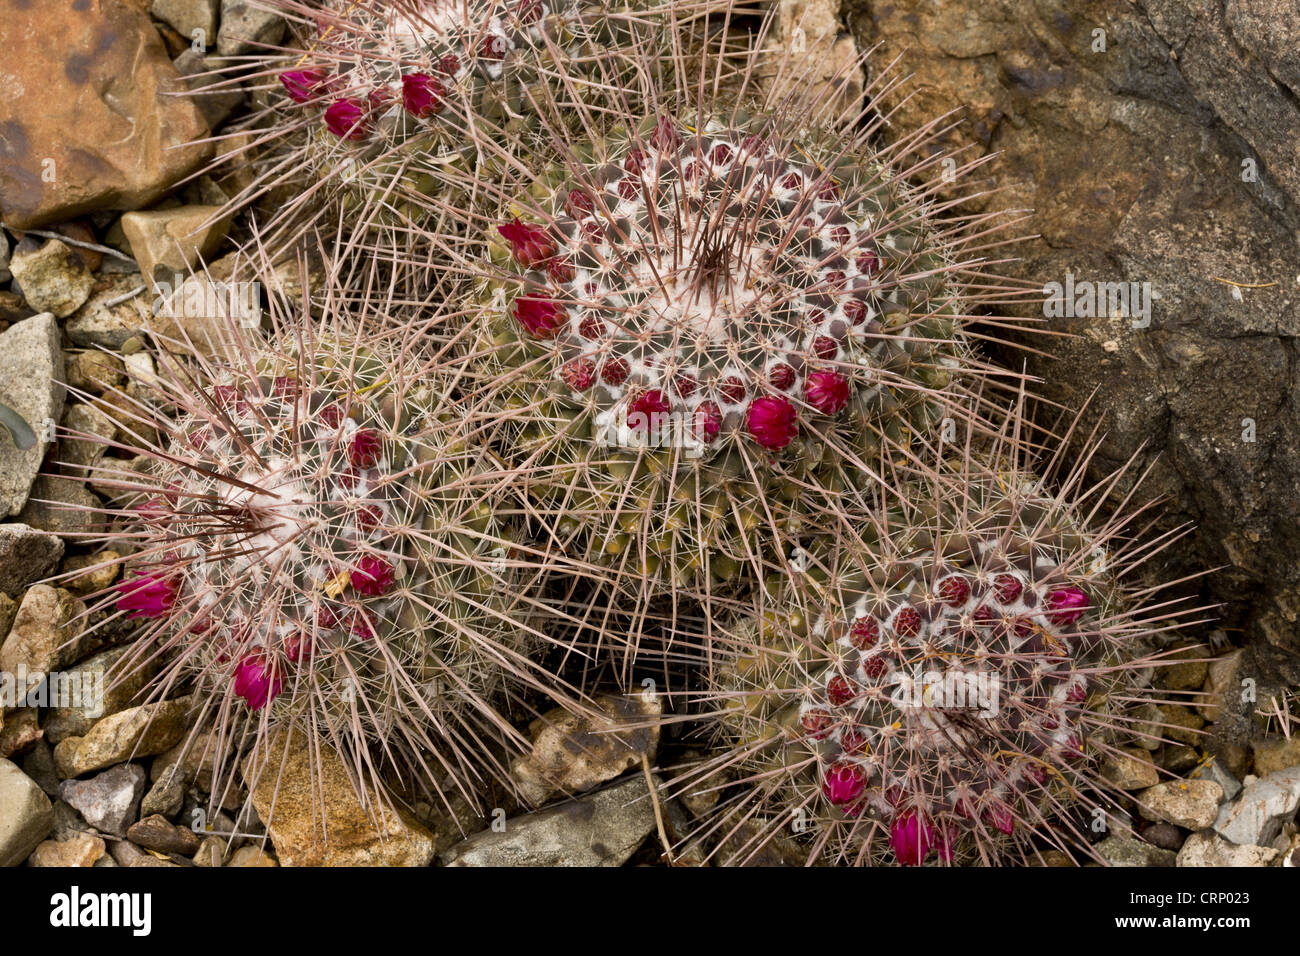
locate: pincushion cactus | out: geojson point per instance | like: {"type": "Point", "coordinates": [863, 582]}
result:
{"type": "Point", "coordinates": [697, 331]}
{"type": "Point", "coordinates": [316, 544]}
{"type": "Point", "coordinates": [942, 681]}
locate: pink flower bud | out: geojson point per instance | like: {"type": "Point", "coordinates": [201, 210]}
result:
{"type": "Point", "coordinates": [257, 680]}
{"type": "Point", "coordinates": [1066, 605]}
{"type": "Point", "coordinates": [771, 420]}
{"type": "Point", "coordinates": [843, 783]}
{"type": "Point", "coordinates": [530, 245]}
{"type": "Point", "coordinates": [911, 837]}
{"type": "Point", "coordinates": [540, 316]}
{"type": "Point", "coordinates": [305, 84]}
{"type": "Point", "coordinates": [346, 119]}
{"type": "Point", "coordinates": [365, 448]}
{"type": "Point", "coordinates": [422, 94]}
{"type": "Point", "coordinates": [372, 575]}
{"type": "Point", "coordinates": [146, 595]}
{"type": "Point", "coordinates": [642, 410]}
{"type": "Point", "coordinates": [826, 391]}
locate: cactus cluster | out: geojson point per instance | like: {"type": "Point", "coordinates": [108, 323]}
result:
{"type": "Point", "coordinates": [698, 338]}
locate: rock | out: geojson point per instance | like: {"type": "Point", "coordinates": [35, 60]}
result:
{"type": "Point", "coordinates": [165, 798]}
{"type": "Point", "coordinates": [39, 765]}
{"type": "Point", "coordinates": [138, 732]}
{"type": "Point", "coordinates": [246, 29]}
{"type": "Point", "coordinates": [31, 383]}
{"type": "Point", "coordinates": [808, 33]}
{"type": "Point", "coordinates": [1130, 769]}
{"type": "Point", "coordinates": [95, 371]}
{"type": "Point", "coordinates": [1124, 849]}
{"type": "Point", "coordinates": [699, 796]}
{"type": "Point", "coordinates": [312, 794]}
{"type": "Point", "coordinates": [93, 123]}
{"type": "Point", "coordinates": [215, 95]}
{"type": "Point", "coordinates": [52, 278]}
{"type": "Point", "coordinates": [78, 455]}
{"type": "Point", "coordinates": [573, 753]}
{"type": "Point", "coordinates": [1212, 769]}
{"type": "Point", "coordinates": [109, 801]}
{"type": "Point", "coordinates": [88, 573]}
{"type": "Point", "coordinates": [108, 691]}
{"type": "Point", "coordinates": [1189, 184]}
{"type": "Point", "coordinates": [1178, 758]}
{"type": "Point", "coordinates": [1260, 810]}
{"type": "Point", "coordinates": [20, 732]}
{"type": "Point", "coordinates": [43, 637]}
{"type": "Point", "coordinates": [1277, 753]}
{"type": "Point", "coordinates": [26, 816]}
{"type": "Point", "coordinates": [601, 829]}
{"type": "Point", "coordinates": [252, 856]}
{"type": "Point", "coordinates": [211, 852]}
{"type": "Point", "coordinates": [80, 849]}
{"type": "Point", "coordinates": [1181, 724]}
{"type": "Point", "coordinates": [1185, 670]}
{"type": "Point", "coordinates": [107, 320]}
{"type": "Point", "coordinates": [157, 833]}
{"type": "Point", "coordinates": [26, 555]}
{"type": "Point", "coordinates": [128, 854]}
{"type": "Point", "coordinates": [1190, 804]}
{"type": "Point", "coordinates": [170, 242]}
{"type": "Point", "coordinates": [5, 274]}
{"type": "Point", "coordinates": [187, 16]}
{"type": "Point", "coordinates": [1164, 835]}
{"type": "Point", "coordinates": [1221, 679]}
{"type": "Point", "coordinates": [1208, 849]}
{"type": "Point", "coordinates": [62, 505]}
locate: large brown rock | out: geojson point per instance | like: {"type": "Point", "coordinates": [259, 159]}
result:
{"type": "Point", "coordinates": [90, 118]}
{"type": "Point", "coordinates": [1167, 157]}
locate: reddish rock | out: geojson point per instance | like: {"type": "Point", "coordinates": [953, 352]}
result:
{"type": "Point", "coordinates": [90, 119]}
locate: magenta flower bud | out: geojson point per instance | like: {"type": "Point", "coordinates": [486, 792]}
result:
{"type": "Point", "coordinates": [422, 94]}
{"type": "Point", "coordinates": [911, 837]}
{"type": "Point", "coordinates": [257, 680]}
{"type": "Point", "coordinates": [771, 420]}
{"type": "Point", "coordinates": [146, 595]}
{"type": "Point", "coordinates": [372, 576]}
{"type": "Point", "coordinates": [843, 783]}
{"type": "Point", "coordinates": [826, 391]}
{"type": "Point", "coordinates": [346, 119]}
{"type": "Point", "coordinates": [305, 84]}
{"type": "Point", "coordinates": [708, 420]}
{"type": "Point", "coordinates": [1066, 605]}
{"type": "Point", "coordinates": [365, 448]}
{"type": "Point", "coordinates": [530, 245]}
{"type": "Point", "coordinates": [540, 316]}
{"type": "Point", "coordinates": [643, 409]}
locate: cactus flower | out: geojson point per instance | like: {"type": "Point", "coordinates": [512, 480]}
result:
{"type": "Point", "coordinates": [771, 420]}
{"type": "Point", "coordinates": [1066, 605]}
{"type": "Point", "coordinates": [257, 680]}
{"type": "Point", "coordinates": [911, 837]}
{"type": "Point", "coordinates": [146, 595]}
{"type": "Point", "coordinates": [346, 119]}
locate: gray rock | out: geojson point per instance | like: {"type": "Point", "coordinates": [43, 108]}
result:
{"type": "Point", "coordinates": [1263, 806]}
{"type": "Point", "coordinates": [246, 28]}
{"type": "Point", "coordinates": [1130, 769]}
{"type": "Point", "coordinates": [5, 274]}
{"type": "Point", "coordinates": [214, 94]}
{"type": "Point", "coordinates": [77, 456]}
{"type": "Point", "coordinates": [126, 853]}
{"type": "Point", "coordinates": [39, 765]}
{"type": "Point", "coordinates": [165, 798]}
{"type": "Point", "coordinates": [601, 829]}
{"type": "Point", "coordinates": [158, 833]}
{"type": "Point", "coordinates": [187, 16]}
{"type": "Point", "coordinates": [31, 383]}
{"type": "Point", "coordinates": [1209, 849]}
{"type": "Point", "coordinates": [107, 320]}
{"type": "Point", "coordinates": [1124, 849]}
{"type": "Point", "coordinates": [108, 691]}
{"type": "Point", "coordinates": [43, 637]}
{"type": "Point", "coordinates": [62, 505]}
{"type": "Point", "coordinates": [1213, 769]}
{"type": "Point", "coordinates": [1190, 804]}
{"type": "Point", "coordinates": [109, 801]}
{"type": "Point", "coordinates": [26, 555]}
{"type": "Point", "coordinates": [52, 278]}
{"type": "Point", "coordinates": [26, 815]}
{"type": "Point", "coordinates": [1164, 835]}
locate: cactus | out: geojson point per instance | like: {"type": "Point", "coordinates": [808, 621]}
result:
{"type": "Point", "coordinates": [400, 109]}
{"type": "Point", "coordinates": [697, 330]}
{"type": "Point", "coordinates": [941, 682]}
{"type": "Point", "coordinates": [316, 544]}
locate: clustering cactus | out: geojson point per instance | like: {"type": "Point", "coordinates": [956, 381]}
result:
{"type": "Point", "coordinates": [318, 545]}
{"type": "Point", "coordinates": [942, 680]}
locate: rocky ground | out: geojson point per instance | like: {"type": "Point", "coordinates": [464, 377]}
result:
{"type": "Point", "coordinates": [1134, 159]}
